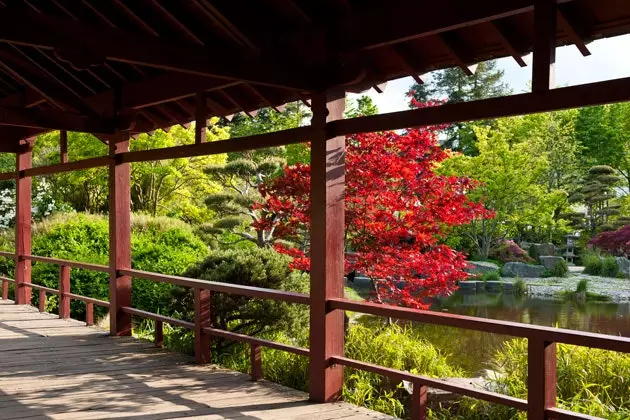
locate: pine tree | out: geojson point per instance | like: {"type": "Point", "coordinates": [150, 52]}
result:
{"type": "Point", "coordinates": [453, 86]}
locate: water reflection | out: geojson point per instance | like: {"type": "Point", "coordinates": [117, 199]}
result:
{"type": "Point", "coordinates": [474, 350]}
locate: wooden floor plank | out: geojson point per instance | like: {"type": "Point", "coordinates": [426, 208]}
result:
{"type": "Point", "coordinates": [60, 369]}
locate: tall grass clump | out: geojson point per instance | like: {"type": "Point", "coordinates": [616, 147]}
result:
{"type": "Point", "coordinates": [491, 276]}
{"type": "Point", "coordinates": [582, 286]}
{"type": "Point", "coordinates": [520, 287]}
{"type": "Point", "coordinates": [590, 381]}
{"type": "Point", "coordinates": [560, 269]}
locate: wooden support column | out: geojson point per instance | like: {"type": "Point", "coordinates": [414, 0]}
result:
{"type": "Point", "coordinates": [119, 236]}
{"type": "Point", "coordinates": [327, 248]}
{"type": "Point", "coordinates": [201, 115]}
{"type": "Point", "coordinates": [24, 161]}
{"type": "Point", "coordinates": [202, 302]}
{"type": "Point", "coordinates": [63, 146]}
{"type": "Point", "coordinates": [541, 378]}
{"type": "Point", "coordinates": [64, 289]}
{"type": "Point", "coordinates": [544, 60]}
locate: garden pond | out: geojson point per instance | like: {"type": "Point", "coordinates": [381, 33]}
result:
{"type": "Point", "coordinates": [473, 351]}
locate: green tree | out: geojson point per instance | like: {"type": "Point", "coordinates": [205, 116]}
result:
{"type": "Point", "coordinates": [597, 193]}
{"type": "Point", "coordinates": [509, 177]}
{"type": "Point", "coordinates": [604, 133]}
{"type": "Point", "coordinates": [454, 86]}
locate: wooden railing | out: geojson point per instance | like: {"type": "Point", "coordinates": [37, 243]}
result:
{"type": "Point", "coordinates": [542, 381]}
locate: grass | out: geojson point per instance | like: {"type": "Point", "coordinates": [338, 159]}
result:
{"type": "Point", "coordinates": [491, 276]}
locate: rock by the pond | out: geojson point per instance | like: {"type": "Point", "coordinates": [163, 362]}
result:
{"type": "Point", "coordinates": [513, 269]}
{"type": "Point", "coordinates": [538, 250]}
{"type": "Point", "coordinates": [471, 286]}
{"type": "Point", "coordinates": [498, 286]}
{"type": "Point", "coordinates": [480, 267]}
{"type": "Point", "coordinates": [549, 262]}
{"type": "Point", "coordinates": [624, 265]}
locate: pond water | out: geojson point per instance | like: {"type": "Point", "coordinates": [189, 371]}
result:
{"type": "Point", "coordinates": [474, 350]}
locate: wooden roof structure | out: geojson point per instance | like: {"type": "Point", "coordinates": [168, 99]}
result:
{"type": "Point", "coordinates": [100, 66]}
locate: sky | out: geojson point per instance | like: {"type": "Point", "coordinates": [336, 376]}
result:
{"type": "Point", "coordinates": [609, 59]}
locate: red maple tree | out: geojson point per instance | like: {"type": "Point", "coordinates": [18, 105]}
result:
{"type": "Point", "coordinates": [398, 212]}
{"type": "Point", "coordinates": [616, 242]}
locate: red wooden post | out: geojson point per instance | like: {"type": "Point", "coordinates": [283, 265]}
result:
{"type": "Point", "coordinates": [119, 237]}
{"type": "Point", "coordinates": [544, 55]}
{"type": "Point", "coordinates": [202, 320]}
{"type": "Point", "coordinates": [419, 402]}
{"type": "Point", "coordinates": [24, 160]}
{"type": "Point", "coordinates": [541, 378]}
{"type": "Point", "coordinates": [159, 334]}
{"type": "Point", "coordinates": [64, 289]}
{"type": "Point", "coordinates": [256, 361]}
{"type": "Point", "coordinates": [89, 314]}
{"type": "Point", "coordinates": [5, 289]}
{"type": "Point", "coordinates": [327, 248]}
{"type": "Point", "coordinates": [63, 146]}
{"type": "Point", "coordinates": [42, 301]}
{"type": "Point", "coordinates": [201, 115]}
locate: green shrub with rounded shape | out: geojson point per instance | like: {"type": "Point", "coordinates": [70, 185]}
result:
{"type": "Point", "coordinates": [610, 267]}
{"type": "Point", "coordinates": [158, 244]}
{"type": "Point", "coordinates": [592, 264]}
{"type": "Point", "coordinates": [491, 276]}
{"type": "Point", "coordinates": [560, 269]}
{"type": "Point", "coordinates": [257, 267]}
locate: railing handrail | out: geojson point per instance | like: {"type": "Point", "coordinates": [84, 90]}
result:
{"type": "Point", "coordinates": [515, 329]}
{"type": "Point", "coordinates": [256, 292]}
{"type": "Point", "coordinates": [68, 263]}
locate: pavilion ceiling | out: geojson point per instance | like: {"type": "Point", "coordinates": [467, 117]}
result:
{"type": "Point", "coordinates": [103, 66]}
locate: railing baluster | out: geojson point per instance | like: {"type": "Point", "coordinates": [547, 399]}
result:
{"type": "Point", "coordinates": [89, 313]}
{"type": "Point", "coordinates": [64, 289]}
{"type": "Point", "coordinates": [5, 289]}
{"type": "Point", "coordinates": [419, 402]}
{"type": "Point", "coordinates": [202, 320]}
{"type": "Point", "coordinates": [42, 301]}
{"type": "Point", "coordinates": [541, 377]}
{"type": "Point", "coordinates": [159, 334]}
{"type": "Point", "coordinates": [256, 361]}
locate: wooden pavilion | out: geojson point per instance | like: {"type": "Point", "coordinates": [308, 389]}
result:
{"type": "Point", "coordinates": [117, 68]}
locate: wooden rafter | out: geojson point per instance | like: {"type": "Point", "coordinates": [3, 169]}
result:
{"type": "Point", "coordinates": [454, 51]}
{"type": "Point", "coordinates": [573, 31]}
{"type": "Point", "coordinates": [405, 60]}
{"type": "Point", "coordinates": [116, 45]}
{"type": "Point", "coordinates": [507, 44]}
{"type": "Point", "coordinates": [175, 22]}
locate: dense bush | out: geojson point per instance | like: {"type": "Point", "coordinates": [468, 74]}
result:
{"type": "Point", "coordinates": [491, 276]}
{"type": "Point", "coordinates": [158, 244]}
{"type": "Point", "coordinates": [609, 267]}
{"type": "Point", "coordinates": [560, 269]}
{"type": "Point", "coordinates": [256, 267]}
{"type": "Point", "coordinates": [592, 263]}
{"type": "Point", "coordinates": [509, 251]}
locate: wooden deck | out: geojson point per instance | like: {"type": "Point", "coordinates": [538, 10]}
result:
{"type": "Point", "coordinates": [60, 369]}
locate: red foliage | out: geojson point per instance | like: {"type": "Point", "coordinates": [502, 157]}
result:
{"type": "Point", "coordinates": [616, 242]}
{"type": "Point", "coordinates": [397, 213]}
{"type": "Point", "coordinates": [509, 251]}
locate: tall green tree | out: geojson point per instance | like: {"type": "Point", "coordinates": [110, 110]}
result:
{"type": "Point", "coordinates": [453, 86]}
{"type": "Point", "coordinates": [509, 176]}
{"type": "Point", "coordinates": [604, 133]}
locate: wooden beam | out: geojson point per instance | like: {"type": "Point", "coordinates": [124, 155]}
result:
{"type": "Point", "coordinates": [365, 29]}
{"type": "Point", "coordinates": [24, 160]}
{"type": "Point", "coordinates": [507, 44]}
{"type": "Point", "coordinates": [102, 43]}
{"type": "Point", "coordinates": [55, 120]}
{"type": "Point", "coordinates": [599, 93]}
{"type": "Point", "coordinates": [119, 237]}
{"type": "Point", "coordinates": [327, 248]}
{"type": "Point", "coordinates": [573, 30]}
{"type": "Point", "coordinates": [544, 56]}
{"type": "Point", "coordinates": [541, 377]}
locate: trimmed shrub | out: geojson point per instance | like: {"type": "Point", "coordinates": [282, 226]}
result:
{"type": "Point", "coordinates": [609, 267]}
{"type": "Point", "coordinates": [159, 244]}
{"type": "Point", "coordinates": [258, 267]}
{"type": "Point", "coordinates": [491, 276]}
{"type": "Point", "coordinates": [509, 251]}
{"type": "Point", "coordinates": [560, 269]}
{"type": "Point", "coordinates": [592, 264]}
